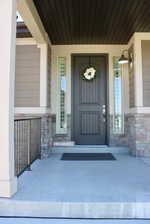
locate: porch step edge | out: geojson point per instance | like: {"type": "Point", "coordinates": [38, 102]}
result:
{"type": "Point", "coordinates": [71, 221]}
{"type": "Point", "coordinates": [104, 210]}
{"type": "Point", "coordinates": [74, 149]}
{"type": "Point", "coordinates": [63, 143]}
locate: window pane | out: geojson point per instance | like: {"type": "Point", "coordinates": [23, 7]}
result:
{"type": "Point", "coordinates": [62, 84]}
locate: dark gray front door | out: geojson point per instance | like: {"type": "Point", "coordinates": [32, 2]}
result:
{"type": "Point", "coordinates": [89, 100]}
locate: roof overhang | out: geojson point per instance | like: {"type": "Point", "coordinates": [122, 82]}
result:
{"type": "Point", "coordinates": [93, 21]}
{"type": "Point", "coordinates": [31, 18]}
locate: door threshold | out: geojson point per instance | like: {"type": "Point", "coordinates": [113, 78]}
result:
{"type": "Point", "coordinates": [92, 146]}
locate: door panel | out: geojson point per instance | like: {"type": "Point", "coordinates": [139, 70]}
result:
{"type": "Point", "coordinates": [89, 101]}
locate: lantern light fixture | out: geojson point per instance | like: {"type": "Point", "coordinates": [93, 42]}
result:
{"type": "Point", "coordinates": [123, 59]}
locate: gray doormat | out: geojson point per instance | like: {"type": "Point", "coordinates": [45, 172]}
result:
{"type": "Point", "coordinates": [87, 156]}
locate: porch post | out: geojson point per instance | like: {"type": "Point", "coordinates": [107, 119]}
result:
{"type": "Point", "coordinates": [138, 74]}
{"type": "Point", "coordinates": [139, 118]}
{"type": "Point", "coordinates": [8, 181]}
{"type": "Point", "coordinates": [43, 74]}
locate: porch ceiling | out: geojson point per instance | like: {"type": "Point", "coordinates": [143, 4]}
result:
{"type": "Point", "coordinates": [93, 21]}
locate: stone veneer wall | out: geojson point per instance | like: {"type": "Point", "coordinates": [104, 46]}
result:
{"type": "Point", "coordinates": [46, 136]}
{"type": "Point", "coordinates": [118, 139]}
{"type": "Point", "coordinates": [139, 134]}
{"type": "Point", "coordinates": [136, 134]}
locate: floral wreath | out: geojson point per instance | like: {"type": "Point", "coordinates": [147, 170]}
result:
{"type": "Point", "coordinates": [89, 73]}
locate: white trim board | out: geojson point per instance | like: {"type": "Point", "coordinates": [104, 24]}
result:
{"type": "Point", "coordinates": [32, 110]}
{"type": "Point", "coordinates": [26, 41]}
{"type": "Point", "coordinates": [142, 36]}
{"type": "Point", "coordinates": [140, 110]}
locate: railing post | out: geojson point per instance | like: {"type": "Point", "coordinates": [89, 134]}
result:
{"type": "Point", "coordinates": [40, 138]}
{"type": "Point", "coordinates": [29, 147]}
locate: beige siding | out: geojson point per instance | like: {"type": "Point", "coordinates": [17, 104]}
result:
{"type": "Point", "coordinates": [131, 78]}
{"type": "Point", "coordinates": [146, 72]}
{"type": "Point", "coordinates": [27, 83]}
{"type": "Point", "coordinates": [49, 79]}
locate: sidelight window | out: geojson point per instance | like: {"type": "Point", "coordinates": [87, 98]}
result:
{"type": "Point", "coordinates": [61, 118]}
{"type": "Point", "coordinates": [118, 118]}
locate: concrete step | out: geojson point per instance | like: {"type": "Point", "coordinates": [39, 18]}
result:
{"type": "Point", "coordinates": [63, 143]}
{"type": "Point", "coordinates": [62, 189]}
{"type": "Point", "coordinates": [68, 221]}
{"type": "Point", "coordinates": [105, 210]}
{"type": "Point", "coordinates": [89, 148]}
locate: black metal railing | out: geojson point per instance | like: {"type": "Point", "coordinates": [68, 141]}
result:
{"type": "Point", "coordinates": [27, 143]}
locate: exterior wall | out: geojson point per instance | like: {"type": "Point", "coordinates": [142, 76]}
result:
{"type": "Point", "coordinates": [66, 51]}
{"type": "Point", "coordinates": [136, 115]}
{"type": "Point", "coordinates": [131, 94]}
{"type": "Point", "coordinates": [146, 72]}
{"type": "Point", "coordinates": [27, 82]}
{"type": "Point", "coordinates": [33, 87]}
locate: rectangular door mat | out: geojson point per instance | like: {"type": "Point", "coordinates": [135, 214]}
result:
{"type": "Point", "coordinates": [87, 156]}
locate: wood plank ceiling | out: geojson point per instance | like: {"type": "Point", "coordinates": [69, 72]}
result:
{"type": "Point", "coordinates": [93, 21]}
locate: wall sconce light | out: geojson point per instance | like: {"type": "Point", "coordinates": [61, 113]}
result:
{"type": "Point", "coordinates": [123, 59]}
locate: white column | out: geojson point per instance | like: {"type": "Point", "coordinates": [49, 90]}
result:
{"type": "Point", "coordinates": [8, 181]}
{"type": "Point", "coordinates": [138, 73]}
{"type": "Point", "coordinates": [43, 74]}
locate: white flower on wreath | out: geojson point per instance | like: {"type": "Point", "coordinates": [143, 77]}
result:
{"type": "Point", "coordinates": [89, 73]}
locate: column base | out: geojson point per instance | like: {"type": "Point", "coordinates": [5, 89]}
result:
{"type": "Point", "coordinates": [139, 135]}
{"type": "Point", "coordinates": [8, 187]}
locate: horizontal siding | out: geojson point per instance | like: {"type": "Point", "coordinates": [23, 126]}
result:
{"type": "Point", "coordinates": [131, 79]}
{"type": "Point", "coordinates": [146, 72]}
{"type": "Point", "coordinates": [27, 81]}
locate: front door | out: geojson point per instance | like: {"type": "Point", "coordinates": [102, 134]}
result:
{"type": "Point", "coordinates": [89, 99]}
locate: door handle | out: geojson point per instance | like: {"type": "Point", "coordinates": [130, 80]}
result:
{"type": "Point", "coordinates": [104, 112]}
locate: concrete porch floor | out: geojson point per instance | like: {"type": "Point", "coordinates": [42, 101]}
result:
{"type": "Point", "coordinates": [83, 189]}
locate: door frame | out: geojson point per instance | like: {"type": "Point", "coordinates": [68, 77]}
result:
{"type": "Point", "coordinates": [107, 93]}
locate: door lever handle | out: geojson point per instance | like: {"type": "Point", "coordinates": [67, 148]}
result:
{"type": "Point", "coordinates": [104, 110]}
{"type": "Point", "coordinates": [104, 113]}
